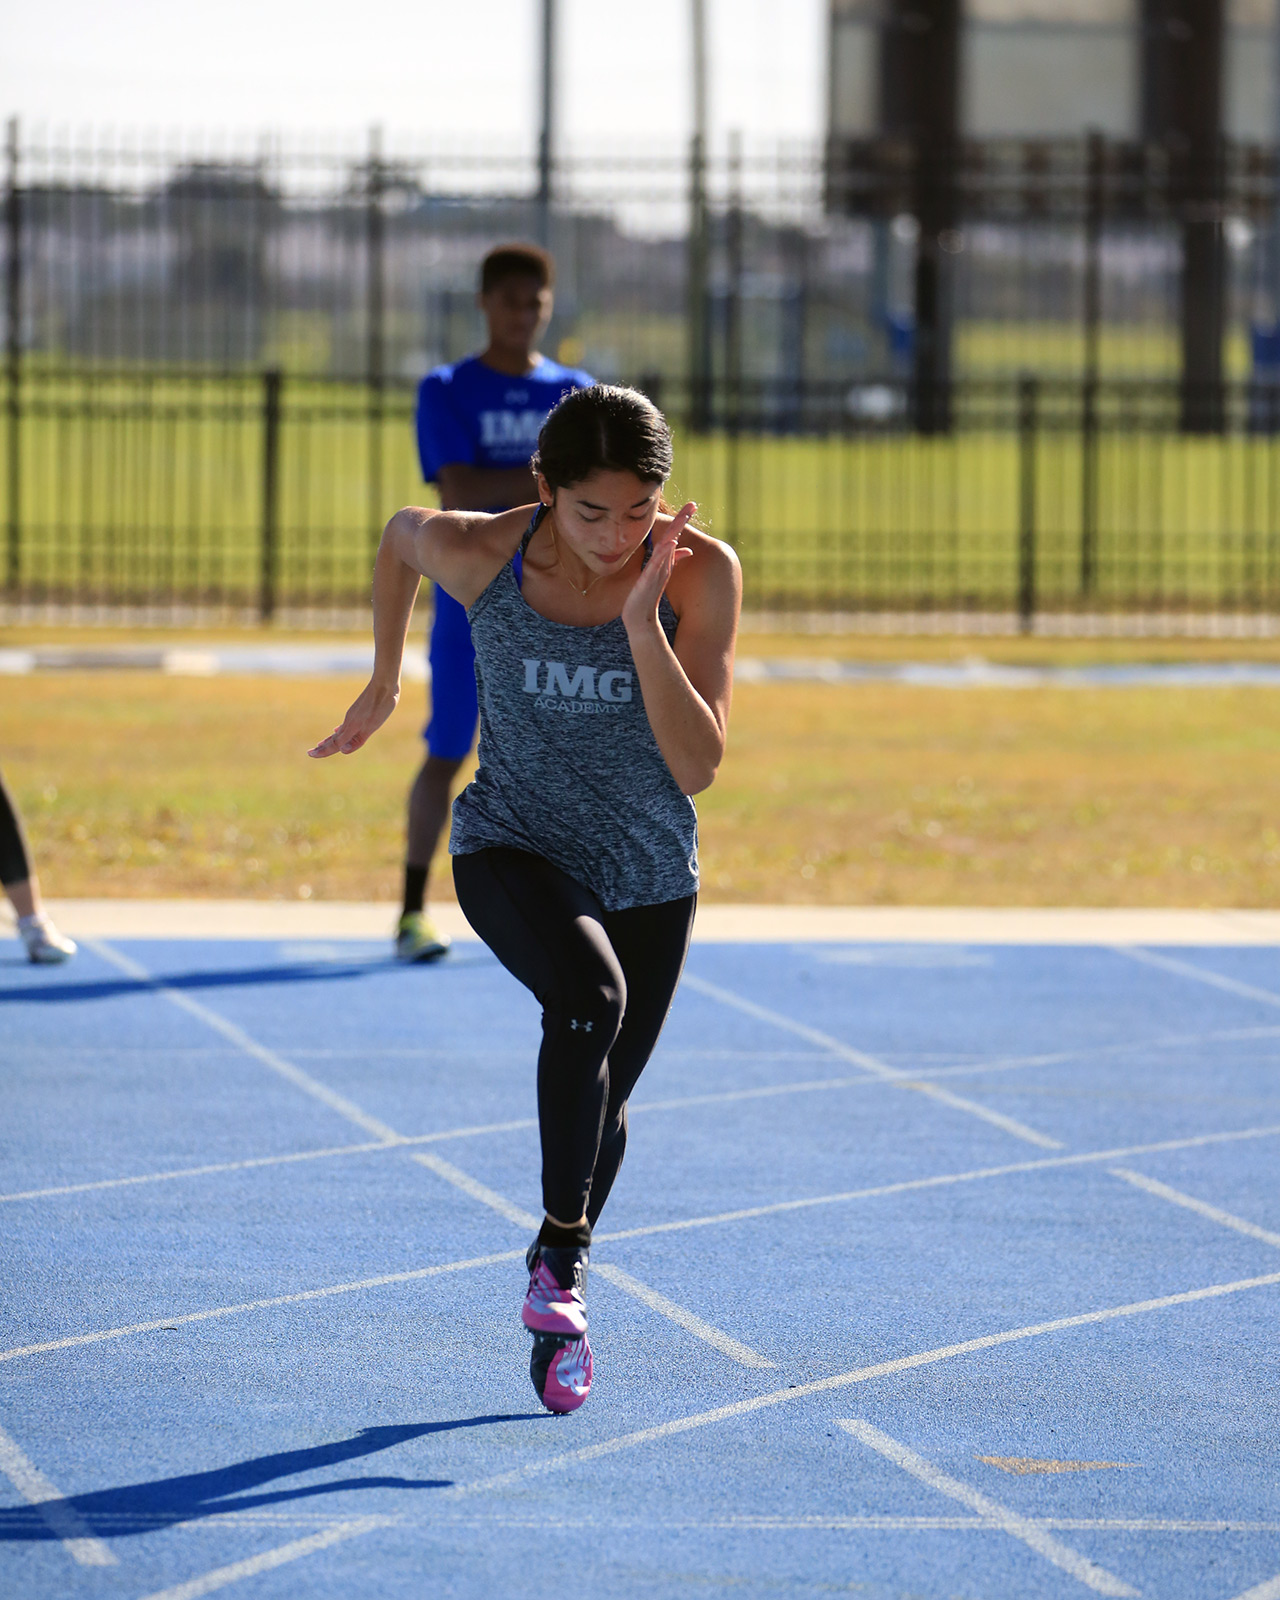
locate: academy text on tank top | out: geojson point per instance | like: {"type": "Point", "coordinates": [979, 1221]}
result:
{"type": "Point", "coordinates": [569, 768]}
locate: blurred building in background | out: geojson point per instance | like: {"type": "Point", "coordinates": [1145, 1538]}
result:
{"type": "Point", "coordinates": [1133, 138]}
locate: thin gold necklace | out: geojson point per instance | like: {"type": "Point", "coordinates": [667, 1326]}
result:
{"type": "Point", "coordinates": [564, 571]}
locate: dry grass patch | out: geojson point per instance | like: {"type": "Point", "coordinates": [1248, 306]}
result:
{"type": "Point", "coordinates": [142, 785]}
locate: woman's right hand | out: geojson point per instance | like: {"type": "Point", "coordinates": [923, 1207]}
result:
{"type": "Point", "coordinates": [368, 712]}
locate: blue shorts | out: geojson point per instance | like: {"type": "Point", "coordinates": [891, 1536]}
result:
{"type": "Point", "coordinates": [454, 711]}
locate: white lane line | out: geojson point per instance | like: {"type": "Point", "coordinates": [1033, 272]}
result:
{"type": "Point", "coordinates": [72, 1340]}
{"type": "Point", "coordinates": [868, 1063]}
{"type": "Point", "coordinates": [993, 1514]}
{"type": "Point", "coordinates": [942, 1180]}
{"type": "Point", "coordinates": [688, 1320]}
{"type": "Point", "coordinates": [997, 1119]}
{"type": "Point", "coordinates": [194, 1172]}
{"type": "Point", "coordinates": [443, 1169]}
{"type": "Point", "coordinates": [679, 1103]}
{"type": "Point", "coordinates": [1185, 969]}
{"type": "Point", "coordinates": [215, 1521]}
{"type": "Point", "coordinates": [1201, 1207]}
{"type": "Point", "coordinates": [238, 1037]}
{"type": "Point", "coordinates": [221, 1577]}
{"type": "Point", "coordinates": [477, 1190]}
{"type": "Point", "coordinates": [825, 1041]}
{"type": "Point", "coordinates": [843, 1380]}
{"type": "Point", "coordinates": [743, 1354]}
{"type": "Point", "coordinates": [518, 1125]}
{"type": "Point", "coordinates": [62, 1519]}
{"type": "Point", "coordinates": [643, 1232]}
{"type": "Point", "coordinates": [1269, 1589]}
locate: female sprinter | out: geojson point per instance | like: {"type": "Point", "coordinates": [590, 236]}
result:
{"type": "Point", "coordinates": [604, 631]}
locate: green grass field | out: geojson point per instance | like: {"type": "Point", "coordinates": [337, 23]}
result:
{"type": "Point", "coordinates": [151, 488]}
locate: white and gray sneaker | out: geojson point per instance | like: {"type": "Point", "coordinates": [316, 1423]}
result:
{"type": "Point", "coordinates": [45, 945]}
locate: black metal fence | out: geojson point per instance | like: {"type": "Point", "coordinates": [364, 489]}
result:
{"type": "Point", "coordinates": [211, 348]}
{"type": "Point", "coordinates": [260, 495]}
{"type": "Point", "coordinates": [792, 263]}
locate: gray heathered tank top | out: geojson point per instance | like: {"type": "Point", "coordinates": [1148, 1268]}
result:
{"type": "Point", "coordinates": [569, 768]}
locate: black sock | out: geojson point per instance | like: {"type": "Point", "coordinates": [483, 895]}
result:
{"type": "Point", "coordinates": [557, 1238]}
{"type": "Point", "coordinates": [415, 889]}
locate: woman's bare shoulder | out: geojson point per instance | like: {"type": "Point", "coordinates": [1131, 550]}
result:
{"type": "Point", "coordinates": [714, 565]}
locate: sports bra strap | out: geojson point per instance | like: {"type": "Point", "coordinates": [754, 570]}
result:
{"type": "Point", "coordinates": [535, 522]}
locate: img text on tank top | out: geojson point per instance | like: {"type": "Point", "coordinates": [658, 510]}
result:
{"type": "Point", "coordinates": [568, 765]}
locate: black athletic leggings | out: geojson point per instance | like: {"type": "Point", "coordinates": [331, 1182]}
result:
{"type": "Point", "coordinates": [605, 980]}
{"type": "Point", "coordinates": [15, 859]}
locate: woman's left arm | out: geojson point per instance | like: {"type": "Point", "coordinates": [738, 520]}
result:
{"type": "Point", "coordinates": [687, 687]}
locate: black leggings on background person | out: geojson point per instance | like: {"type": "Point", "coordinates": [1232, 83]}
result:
{"type": "Point", "coordinates": [605, 980]}
{"type": "Point", "coordinates": [15, 858]}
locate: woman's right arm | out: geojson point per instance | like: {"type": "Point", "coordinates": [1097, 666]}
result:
{"type": "Point", "coordinates": [461, 551]}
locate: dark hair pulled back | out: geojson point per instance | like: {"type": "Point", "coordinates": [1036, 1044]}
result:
{"type": "Point", "coordinates": [603, 429]}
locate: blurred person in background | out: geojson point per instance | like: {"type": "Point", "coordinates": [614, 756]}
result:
{"type": "Point", "coordinates": [43, 941]}
{"type": "Point", "coordinates": [478, 422]}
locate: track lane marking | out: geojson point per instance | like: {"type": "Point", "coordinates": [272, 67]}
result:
{"type": "Point", "coordinates": [678, 1103]}
{"type": "Point", "coordinates": [680, 1315]}
{"type": "Point", "coordinates": [743, 1354]}
{"type": "Point", "coordinates": [1269, 1589]}
{"type": "Point", "coordinates": [1202, 1208]}
{"type": "Point", "coordinates": [1187, 969]}
{"type": "Point", "coordinates": [221, 1577]}
{"type": "Point", "coordinates": [303, 1295]}
{"type": "Point", "coordinates": [385, 1134]}
{"type": "Point", "coordinates": [243, 1041]}
{"type": "Point", "coordinates": [747, 1213]}
{"type": "Point", "coordinates": [843, 1380]}
{"type": "Point", "coordinates": [869, 1063]}
{"type": "Point", "coordinates": [942, 1180]}
{"type": "Point", "coordinates": [52, 1507]}
{"type": "Point", "coordinates": [213, 1520]}
{"type": "Point", "coordinates": [993, 1514]}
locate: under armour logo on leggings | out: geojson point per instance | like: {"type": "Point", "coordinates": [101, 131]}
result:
{"type": "Point", "coordinates": [575, 1025]}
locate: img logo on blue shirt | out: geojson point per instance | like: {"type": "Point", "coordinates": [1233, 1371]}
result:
{"type": "Point", "coordinates": [471, 413]}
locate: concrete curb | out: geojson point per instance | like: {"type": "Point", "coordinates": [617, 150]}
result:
{"type": "Point", "coordinates": [717, 924]}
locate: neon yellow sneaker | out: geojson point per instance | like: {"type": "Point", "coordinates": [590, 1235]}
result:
{"type": "Point", "coordinates": [418, 938]}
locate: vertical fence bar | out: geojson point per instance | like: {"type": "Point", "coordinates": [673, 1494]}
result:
{"type": "Point", "coordinates": [13, 365]}
{"type": "Point", "coordinates": [696, 290]}
{"type": "Point", "coordinates": [1092, 308]}
{"type": "Point", "coordinates": [269, 574]}
{"type": "Point", "coordinates": [1027, 425]}
{"type": "Point", "coordinates": [375, 238]}
{"type": "Point", "coordinates": [733, 363]}
{"type": "Point", "coordinates": [547, 122]}
{"type": "Point", "coordinates": [699, 246]}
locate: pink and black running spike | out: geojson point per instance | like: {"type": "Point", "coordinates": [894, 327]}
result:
{"type": "Point", "coordinates": [561, 1371]}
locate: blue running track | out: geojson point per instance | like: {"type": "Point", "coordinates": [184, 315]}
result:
{"type": "Point", "coordinates": [933, 1272]}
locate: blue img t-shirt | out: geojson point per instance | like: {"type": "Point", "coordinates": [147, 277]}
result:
{"type": "Point", "coordinates": [472, 414]}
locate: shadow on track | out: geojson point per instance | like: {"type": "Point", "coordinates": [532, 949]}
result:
{"type": "Point", "coordinates": [140, 1507]}
{"type": "Point", "coordinates": [55, 993]}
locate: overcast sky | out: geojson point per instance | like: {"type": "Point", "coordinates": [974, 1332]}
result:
{"type": "Point", "coordinates": [431, 68]}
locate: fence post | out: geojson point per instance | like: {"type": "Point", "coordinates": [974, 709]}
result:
{"type": "Point", "coordinates": [13, 366]}
{"type": "Point", "coordinates": [733, 331]}
{"type": "Point", "coordinates": [698, 271]}
{"type": "Point", "coordinates": [1027, 422]}
{"type": "Point", "coordinates": [272, 383]}
{"type": "Point", "coordinates": [376, 353]}
{"type": "Point", "coordinates": [1095, 166]}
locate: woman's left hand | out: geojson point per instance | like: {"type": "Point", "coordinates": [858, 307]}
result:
{"type": "Point", "coordinates": [642, 603]}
